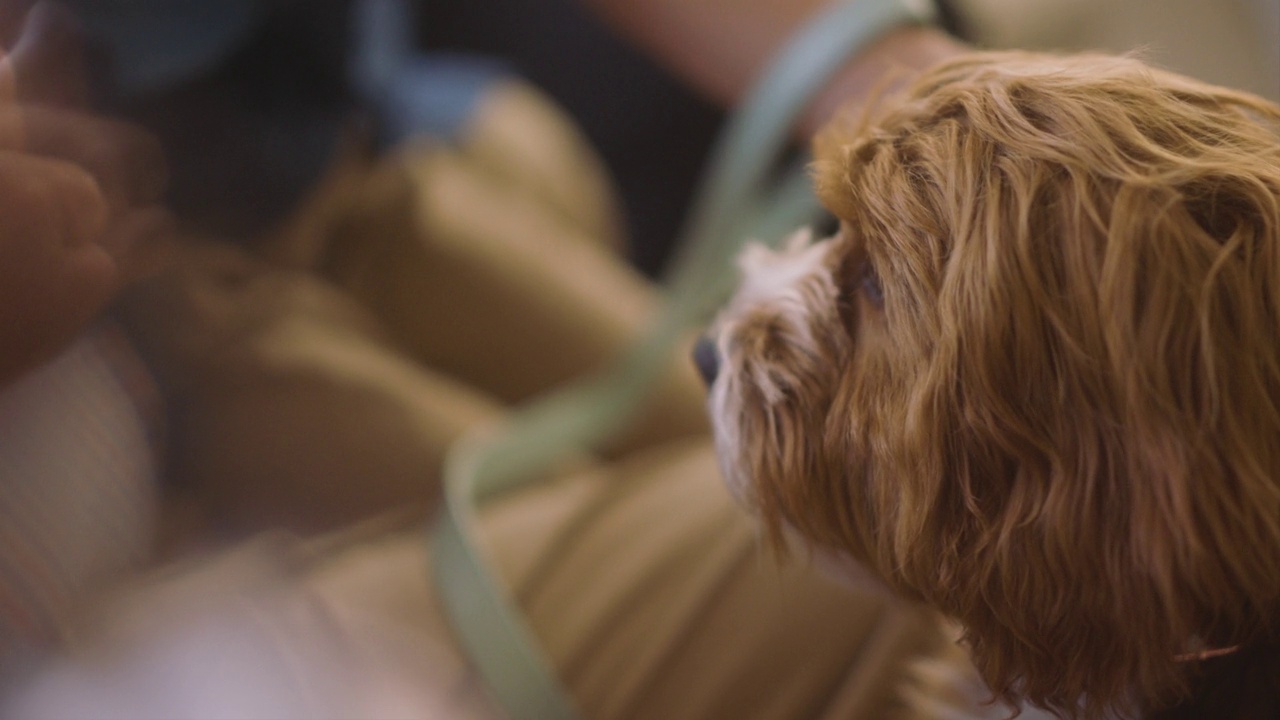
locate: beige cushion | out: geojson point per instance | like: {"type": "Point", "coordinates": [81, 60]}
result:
{"type": "Point", "coordinates": [449, 291]}
{"type": "Point", "coordinates": [654, 598]}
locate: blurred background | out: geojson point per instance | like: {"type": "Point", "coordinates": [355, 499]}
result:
{"type": "Point", "coordinates": [251, 120]}
{"type": "Point", "coordinates": [330, 395]}
{"type": "Point", "coordinates": [654, 133]}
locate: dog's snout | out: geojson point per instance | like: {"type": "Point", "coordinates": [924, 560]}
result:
{"type": "Point", "coordinates": [707, 359]}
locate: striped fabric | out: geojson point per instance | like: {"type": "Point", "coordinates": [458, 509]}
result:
{"type": "Point", "coordinates": [77, 486]}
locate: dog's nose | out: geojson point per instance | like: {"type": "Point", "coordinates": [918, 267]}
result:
{"type": "Point", "coordinates": [707, 359]}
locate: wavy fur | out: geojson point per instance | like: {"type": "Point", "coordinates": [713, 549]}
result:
{"type": "Point", "coordinates": [1035, 380]}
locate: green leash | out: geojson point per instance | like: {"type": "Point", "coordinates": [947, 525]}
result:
{"type": "Point", "coordinates": [737, 200]}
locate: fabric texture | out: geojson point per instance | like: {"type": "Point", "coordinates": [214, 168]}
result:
{"type": "Point", "coordinates": [78, 468]}
{"type": "Point", "coordinates": [647, 586]}
{"type": "Point", "coordinates": [652, 594]}
{"type": "Point", "coordinates": [237, 635]}
{"type": "Point", "coordinates": [415, 303]}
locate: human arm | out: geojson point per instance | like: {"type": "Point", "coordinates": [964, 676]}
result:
{"type": "Point", "coordinates": [721, 46]}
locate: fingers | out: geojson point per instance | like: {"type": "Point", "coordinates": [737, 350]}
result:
{"type": "Point", "coordinates": [127, 161]}
{"type": "Point", "coordinates": [47, 197]}
{"type": "Point", "coordinates": [140, 242]}
{"type": "Point", "coordinates": [12, 14]}
{"type": "Point", "coordinates": [8, 79]}
{"type": "Point", "coordinates": [43, 90]}
{"type": "Point", "coordinates": [48, 60]}
{"type": "Point", "coordinates": [56, 276]}
{"type": "Point", "coordinates": [120, 180]}
{"type": "Point", "coordinates": [79, 194]}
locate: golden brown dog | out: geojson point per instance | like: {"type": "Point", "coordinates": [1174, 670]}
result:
{"type": "Point", "coordinates": [1034, 380]}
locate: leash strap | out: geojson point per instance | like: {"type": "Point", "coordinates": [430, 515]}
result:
{"type": "Point", "coordinates": [737, 199]}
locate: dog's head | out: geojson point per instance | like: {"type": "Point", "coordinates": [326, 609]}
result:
{"type": "Point", "coordinates": [1034, 380]}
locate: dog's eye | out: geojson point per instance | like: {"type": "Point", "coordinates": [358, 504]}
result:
{"type": "Point", "coordinates": [870, 284]}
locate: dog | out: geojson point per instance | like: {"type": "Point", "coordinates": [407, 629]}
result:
{"type": "Point", "coordinates": [1033, 380]}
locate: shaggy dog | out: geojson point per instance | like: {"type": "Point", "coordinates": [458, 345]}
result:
{"type": "Point", "coordinates": [1034, 379]}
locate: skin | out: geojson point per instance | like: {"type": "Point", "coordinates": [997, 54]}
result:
{"type": "Point", "coordinates": [721, 46]}
{"type": "Point", "coordinates": [79, 195]}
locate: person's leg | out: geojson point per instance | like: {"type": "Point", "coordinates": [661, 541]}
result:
{"type": "Point", "coordinates": [288, 405]}
{"type": "Point", "coordinates": [654, 597]}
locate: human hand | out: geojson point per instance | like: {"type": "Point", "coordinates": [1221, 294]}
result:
{"type": "Point", "coordinates": [79, 194]}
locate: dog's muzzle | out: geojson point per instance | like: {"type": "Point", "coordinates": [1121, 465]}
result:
{"type": "Point", "coordinates": [707, 359]}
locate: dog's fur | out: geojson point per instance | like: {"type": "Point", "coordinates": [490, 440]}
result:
{"type": "Point", "coordinates": [1034, 380]}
